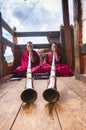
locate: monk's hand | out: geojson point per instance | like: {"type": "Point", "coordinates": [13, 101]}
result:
{"type": "Point", "coordinates": [32, 57]}
{"type": "Point", "coordinates": [56, 56]}
{"type": "Point", "coordinates": [54, 53]}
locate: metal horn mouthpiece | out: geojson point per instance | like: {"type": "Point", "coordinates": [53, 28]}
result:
{"type": "Point", "coordinates": [51, 94]}
{"type": "Point", "coordinates": [29, 94]}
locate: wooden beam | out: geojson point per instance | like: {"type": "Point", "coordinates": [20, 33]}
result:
{"type": "Point", "coordinates": [76, 37]}
{"type": "Point", "coordinates": [64, 57]}
{"type": "Point", "coordinates": [72, 43]}
{"type": "Point", "coordinates": [67, 32]}
{"type": "Point", "coordinates": [36, 34]}
{"type": "Point", "coordinates": [7, 43]}
{"type": "Point", "coordinates": [1, 50]}
{"type": "Point", "coordinates": [35, 46]}
{"type": "Point", "coordinates": [80, 20]}
{"type": "Point", "coordinates": [6, 26]}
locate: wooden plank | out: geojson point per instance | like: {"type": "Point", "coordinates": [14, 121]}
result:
{"type": "Point", "coordinates": [77, 87]}
{"type": "Point", "coordinates": [39, 115]}
{"type": "Point", "coordinates": [10, 103]}
{"type": "Point", "coordinates": [36, 34]}
{"type": "Point", "coordinates": [5, 78]}
{"type": "Point", "coordinates": [6, 86]}
{"type": "Point", "coordinates": [7, 42]}
{"type": "Point", "coordinates": [71, 108]}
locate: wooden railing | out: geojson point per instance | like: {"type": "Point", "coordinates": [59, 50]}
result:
{"type": "Point", "coordinates": [4, 69]}
{"type": "Point", "coordinates": [18, 49]}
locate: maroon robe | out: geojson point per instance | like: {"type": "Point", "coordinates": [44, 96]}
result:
{"type": "Point", "coordinates": [22, 69]}
{"type": "Point", "coordinates": [61, 69]}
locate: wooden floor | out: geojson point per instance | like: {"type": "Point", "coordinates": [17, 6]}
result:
{"type": "Point", "coordinates": [69, 113]}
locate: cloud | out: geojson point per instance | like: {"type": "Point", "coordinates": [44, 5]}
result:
{"type": "Point", "coordinates": [25, 14]}
{"type": "Point", "coordinates": [34, 15]}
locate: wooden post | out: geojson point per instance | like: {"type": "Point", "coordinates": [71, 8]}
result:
{"type": "Point", "coordinates": [67, 32]}
{"type": "Point", "coordinates": [14, 37]}
{"type": "Point", "coordinates": [64, 57]}
{"type": "Point", "coordinates": [76, 39]}
{"type": "Point", "coordinates": [16, 52]}
{"type": "Point", "coordinates": [72, 41]}
{"type": "Point", "coordinates": [14, 41]}
{"type": "Point", "coordinates": [1, 49]}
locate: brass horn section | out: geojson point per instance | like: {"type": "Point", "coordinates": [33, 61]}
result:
{"type": "Point", "coordinates": [29, 95]}
{"type": "Point", "coordinates": [51, 94]}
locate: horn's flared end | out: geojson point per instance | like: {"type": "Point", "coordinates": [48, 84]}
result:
{"type": "Point", "coordinates": [51, 95]}
{"type": "Point", "coordinates": [29, 95]}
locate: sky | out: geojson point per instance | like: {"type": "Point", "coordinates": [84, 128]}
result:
{"type": "Point", "coordinates": [33, 15]}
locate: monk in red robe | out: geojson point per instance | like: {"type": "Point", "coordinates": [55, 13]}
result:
{"type": "Point", "coordinates": [61, 69]}
{"type": "Point", "coordinates": [21, 70]}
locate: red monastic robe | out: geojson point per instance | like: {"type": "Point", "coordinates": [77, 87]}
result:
{"type": "Point", "coordinates": [22, 69]}
{"type": "Point", "coordinates": [61, 69]}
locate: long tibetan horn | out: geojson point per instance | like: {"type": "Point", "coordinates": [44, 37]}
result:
{"type": "Point", "coordinates": [51, 94]}
{"type": "Point", "coordinates": [29, 94]}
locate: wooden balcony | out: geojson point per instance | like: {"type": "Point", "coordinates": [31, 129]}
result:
{"type": "Point", "coordinates": [69, 113]}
